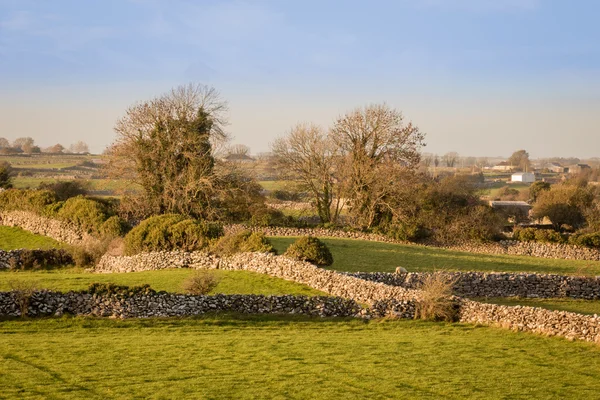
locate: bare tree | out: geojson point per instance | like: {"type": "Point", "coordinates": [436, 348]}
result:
{"type": "Point", "coordinates": [79, 147]}
{"type": "Point", "coordinates": [239, 149]}
{"type": "Point", "coordinates": [308, 156]}
{"type": "Point", "coordinates": [164, 146]}
{"type": "Point", "coordinates": [374, 140]}
{"type": "Point", "coordinates": [57, 148]}
{"type": "Point", "coordinates": [26, 144]}
{"type": "Point", "coordinates": [4, 143]}
{"type": "Point", "coordinates": [450, 159]}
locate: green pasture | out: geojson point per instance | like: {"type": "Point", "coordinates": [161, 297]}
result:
{"type": "Point", "coordinates": [24, 182]}
{"type": "Point", "coordinates": [170, 280]}
{"type": "Point", "coordinates": [12, 238]}
{"type": "Point", "coordinates": [357, 255]}
{"type": "Point", "coordinates": [278, 357]}
{"type": "Point", "coordinates": [275, 185]}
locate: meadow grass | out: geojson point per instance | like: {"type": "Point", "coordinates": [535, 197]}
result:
{"type": "Point", "coordinates": [275, 185]}
{"type": "Point", "coordinates": [563, 304]}
{"type": "Point", "coordinates": [266, 357]}
{"type": "Point", "coordinates": [12, 238]}
{"type": "Point", "coordinates": [170, 280]}
{"type": "Point", "coordinates": [359, 255]}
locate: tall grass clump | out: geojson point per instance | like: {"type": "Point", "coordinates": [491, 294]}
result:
{"type": "Point", "coordinates": [437, 302]}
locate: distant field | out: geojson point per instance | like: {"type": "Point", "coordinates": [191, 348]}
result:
{"type": "Point", "coordinates": [110, 185]}
{"type": "Point", "coordinates": [281, 357]}
{"type": "Point", "coordinates": [171, 280]}
{"type": "Point", "coordinates": [274, 185]}
{"type": "Point", "coordinates": [356, 255]}
{"type": "Point", "coordinates": [12, 238]}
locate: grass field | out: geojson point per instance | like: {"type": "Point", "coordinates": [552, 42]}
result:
{"type": "Point", "coordinates": [12, 238]}
{"type": "Point", "coordinates": [171, 280]}
{"type": "Point", "coordinates": [356, 255]}
{"type": "Point", "coordinates": [94, 184]}
{"type": "Point", "coordinates": [287, 357]}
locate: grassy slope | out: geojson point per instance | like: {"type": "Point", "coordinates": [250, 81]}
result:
{"type": "Point", "coordinates": [231, 282]}
{"type": "Point", "coordinates": [356, 255]}
{"type": "Point", "coordinates": [287, 357]}
{"type": "Point", "coordinates": [16, 238]}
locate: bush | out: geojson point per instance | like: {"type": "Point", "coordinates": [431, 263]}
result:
{"type": "Point", "coordinates": [41, 259]}
{"type": "Point", "coordinates": [286, 195]}
{"type": "Point", "coordinates": [524, 234]}
{"type": "Point", "coordinates": [66, 189]}
{"type": "Point", "coordinates": [107, 289]}
{"type": "Point", "coordinates": [310, 249]}
{"type": "Point", "coordinates": [588, 240]}
{"type": "Point", "coordinates": [26, 200]}
{"type": "Point", "coordinates": [242, 242]}
{"type": "Point", "coordinates": [86, 213]}
{"type": "Point", "coordinates": [436, 301]}
{"type": "Point", "coordinates": [113, 227]}
{"type": "Point", "coordinates": [89, 253]}
{"type": "Point", "coordinates": [538, 235]}
{"type": "Point", "coordinates": [170, 232]}
{"type": "Point", "coordinates": [201, 282]}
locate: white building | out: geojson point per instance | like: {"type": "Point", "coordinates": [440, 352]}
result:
{"type": "Point", "coordinates": [525, 177]}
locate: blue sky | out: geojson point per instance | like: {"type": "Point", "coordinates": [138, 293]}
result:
{"type": "Point", "coordinates": [481, 77]}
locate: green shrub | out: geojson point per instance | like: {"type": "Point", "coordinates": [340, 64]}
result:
{"type": "Point", "coordinates": [26, 200]}
{"type": "Point", "coordinates": [170, 232]}
{"type": "Point", "coordinates": [587, 240]}
{"type": "Point", "coordinates": [537, 235]}
{"type": "Point", "coordinates": [64, 190]}
{"type": "Point", "coordinates": [201, 282]}
{"type": "Point", "coordinates": [310, 249]}
{"type": "Point", "coordinates": [242, 242]}
{"type": "Point", "coordinates": [524, 234]}
{"type": "Point", "coordinates": [113, 227]}
{"type": "Point", "coordinates": [86, 213]}
{"type": "Point", "coordinates": [548, 236]}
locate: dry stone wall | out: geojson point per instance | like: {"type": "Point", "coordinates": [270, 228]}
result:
{"type": "Point", "coordinates": [57, 230]}
{"type": "Point", "coordinates": [384, 299]}
{"type": "Point", "coordinates": [532, 319]}
{"type": "Point", "coordinates": [498, 284]}
{"type": "Point", "coordinates": [45, 303]}
{"type": "Point", "coordinates": [401, 300]}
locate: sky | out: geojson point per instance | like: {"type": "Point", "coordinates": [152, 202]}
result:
{"type": "Point", "coordinates": [479, 77]}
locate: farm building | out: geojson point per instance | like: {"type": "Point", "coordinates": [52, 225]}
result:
{"type": "Point", "coordinates": [525, 177]}
{"type": "Point", "coordinates": [556, 167]}
{"type": "Point", "coordinates": [578, 168]}
{"type": "Point", "coordinates": [503, 166]}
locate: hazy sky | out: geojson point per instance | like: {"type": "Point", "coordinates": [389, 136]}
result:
{"type": "Point", "coordinates": [480, 77]}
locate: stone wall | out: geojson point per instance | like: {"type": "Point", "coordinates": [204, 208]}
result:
{"type": "Point", "coordinates": [401, 300]}
{"type": "Point", "coordinates": [16, 259]}
{"type": "Point", "coordinates": [512, 247]}
{"type": "Point", "coordinates": [499, 284]}
{"type": "Point", "coordinates": [57, 230]}
{"type": "Point", "coordinates": [532, 319]}
{"type": "Point", "coordinates": [44, 303]}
